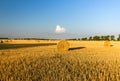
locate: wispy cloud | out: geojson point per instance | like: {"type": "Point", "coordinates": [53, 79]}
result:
{"type": "Point", "coordinates": [60, 29]}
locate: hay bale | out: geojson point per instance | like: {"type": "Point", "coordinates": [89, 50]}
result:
{"type": "Point", "coordinates": [63, 45]}
{"type": "Point", "coordinates": [1, 41]}
{"type": "Point", "coordinates": [107, 43]}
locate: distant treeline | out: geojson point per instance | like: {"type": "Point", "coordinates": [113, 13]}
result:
{"type": "Point", "coordinates": [4, 38]}
{"type": "Point", "coordinates": [99, 38]}
{"type": "Point", "coordinates": [94, 38]}
{"type": "Point", "coordinates": [25, 39]}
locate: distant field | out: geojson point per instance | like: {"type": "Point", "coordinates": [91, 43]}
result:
{"type": "Point", "coordinates": [41, 61]}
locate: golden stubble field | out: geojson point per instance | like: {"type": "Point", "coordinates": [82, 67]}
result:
{"type": "Point", "coordinates": [85, 61]}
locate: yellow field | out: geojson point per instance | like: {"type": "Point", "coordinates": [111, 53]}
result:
{"type": "Point", "coordinates": [85, 61]}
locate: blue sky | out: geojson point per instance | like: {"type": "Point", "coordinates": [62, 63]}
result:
{"type": "Point", "coordinates": [39, 18]}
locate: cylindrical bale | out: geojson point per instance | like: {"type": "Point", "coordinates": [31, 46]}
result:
{"type": "Point", "coordinates": [107, 43]}
{"type": "Point", "coordinates": [1, 41]}
{"type": "Point", "coordinates": [63, 45]}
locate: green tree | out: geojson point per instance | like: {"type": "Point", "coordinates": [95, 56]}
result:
{"type": "Point", "coordinates": [118, 37]}
{"type": "Point", "coordinates": [107, 37]}
{"type": "Point", "coordinates": [83, 38]}
{"type": "Point", "coordinates": [112, 37]}
{"type": "Point", "coordinates": [90, 38]}
{"type": "Point", "coordinates": [102, 37]}
{"type": "Point", "coordinates": [96, 38]}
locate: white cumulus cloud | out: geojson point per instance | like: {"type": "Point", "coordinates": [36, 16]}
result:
{"type": "Point", "coordinates": [60, 29]}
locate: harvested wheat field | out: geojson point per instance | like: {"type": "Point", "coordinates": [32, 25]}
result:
{"type": "Point", "coordinates": [32, 60]}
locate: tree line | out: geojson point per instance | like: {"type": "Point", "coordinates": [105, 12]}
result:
{"type": "Point", "coordinates": [107, 37]}
{"type": "Point", "coordinates": [99, 38]}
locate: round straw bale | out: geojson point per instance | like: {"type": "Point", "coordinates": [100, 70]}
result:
{"type": "Point", "coordinates": [63, 45]}
{"type": "Point", "coordinates": [1, 41]}
{"type": "Point", "coordinates": [107, 43]}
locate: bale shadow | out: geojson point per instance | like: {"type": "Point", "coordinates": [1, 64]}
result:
{"type": "Point", "coordinates": [76, 48]}
{"type": "Point", "coordinates": [111, 45]}
{"type": "Point", "coordinates": [14, 46]}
